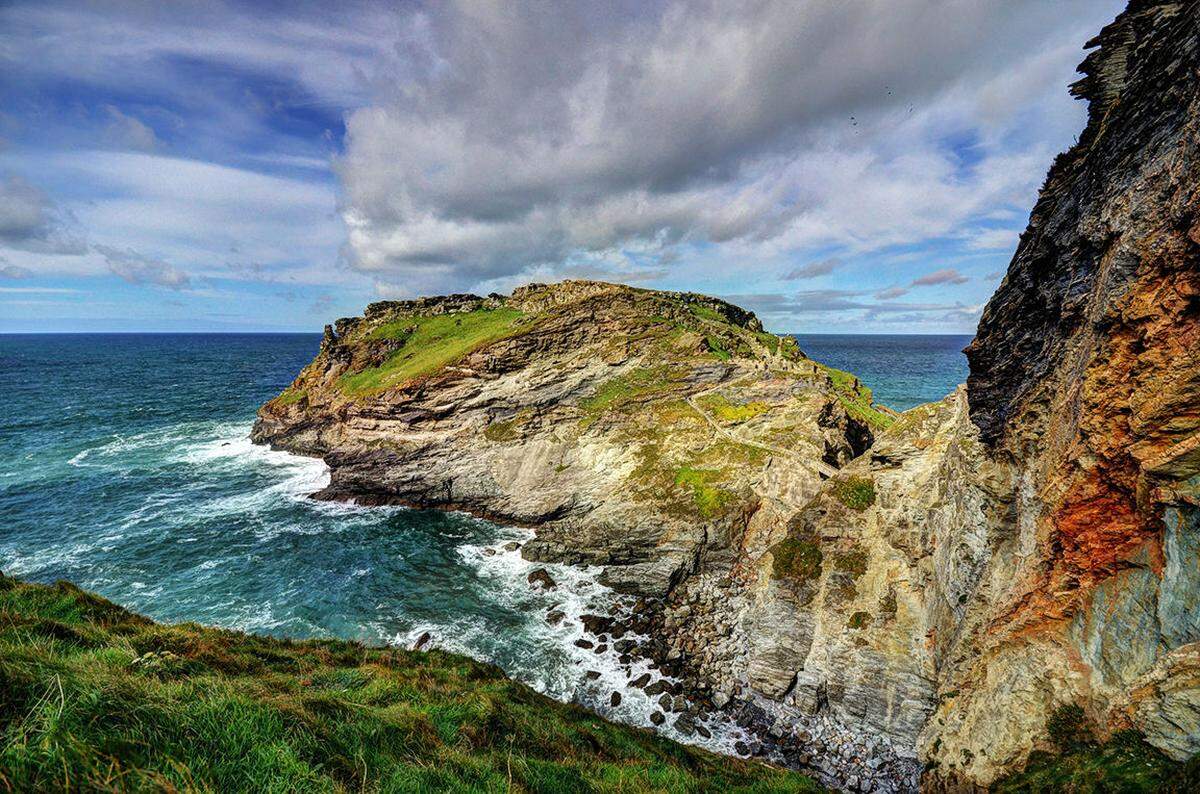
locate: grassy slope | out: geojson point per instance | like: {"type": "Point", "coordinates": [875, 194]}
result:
{"type": "Point", "coordinates": [1124, 764]}
{"type": "Point", "coordinates": [430, 343]}
{"type": "Point", "coordinates": [94, 697]}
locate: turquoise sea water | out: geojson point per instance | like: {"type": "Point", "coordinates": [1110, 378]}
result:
{"type": "Point", "coordinates": [125, 467]}
{"type": "Point", "coordinates": [903, 371]}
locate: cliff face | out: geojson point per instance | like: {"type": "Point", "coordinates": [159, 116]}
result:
{"type": "Point", "coordinates": [874, 597]}
{"type": "Point", "coordinates": [1085, 385]}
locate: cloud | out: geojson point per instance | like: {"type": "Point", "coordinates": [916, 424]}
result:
{"type": "Point", "coordinates": [321, 304]}
{"type": "Point", "coordinates": [837, 301]}
{"type": "Point", "coordinates": [187, 210]}
{"type": "Point", "coordinates": [127, 132]}
{"type": "Point", "coordinates": [994, 240]}
{"type": "Point", "coordinates": [30, 221]}
{"type": "Point", "coordinates": [707, 123]}
{"type": "Point", "coordinates": [946, 275]}
{"type": "Point", "coordinates": [814, 269]}
{"type": "Point", "coordinates": [9, 270]}
{"type": "Point", "coordinates": [39, 290]}
{"type": "Point", "coordinates": [139, 269]}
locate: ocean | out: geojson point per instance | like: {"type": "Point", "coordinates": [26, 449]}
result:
{"type": "Point", "coordinates": [902, 371]}
{"type": "Point", "coordinates": [125, 467]}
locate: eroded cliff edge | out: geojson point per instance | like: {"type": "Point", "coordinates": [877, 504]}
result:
{"type": "Point", "coordinates": [875, 597]}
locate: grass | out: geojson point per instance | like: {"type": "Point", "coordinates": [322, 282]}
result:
{"type": "Point", "coordinates": [853, 562]}
{"type": "Point", "coordinates": [856, 398]}
{"type": "Point", "coordinates": [857, 493]}
{"type": "Point", "coordinates": [710, 500]}
{"type": "Point", "coordinates": [622, 390]}
{"type": "Point", "coordinates": [1123, 764]}
{"type": "Point", "coordinates": [796, 558]}
{"type": "Point", "coordinates": [717, 347]}
{"type": "Point", "coordinates": [859, 620]}
{"type": "Point", "coordinates": [733, 413]}
{"type": "Point", "coordinates": [290, 396]}
{"type": "Point", "coordinates": [500, 432]}
{"type": "Point", "coordinates": [428, 344]}
{"type": "Point", "coordinates": [707, 313]}
{"type": "Point", "coordinates": [93, 697]}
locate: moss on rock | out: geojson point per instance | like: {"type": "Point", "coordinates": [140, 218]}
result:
{"type": "Point", "coordinates": [797, 558]}
{"type": "Point", "coordinates": [857, 493]}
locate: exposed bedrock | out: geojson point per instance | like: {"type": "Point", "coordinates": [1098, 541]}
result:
{"type": "Point", "coordinates": [877, 594]}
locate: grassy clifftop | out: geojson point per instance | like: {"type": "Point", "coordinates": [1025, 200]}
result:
{"type": "Point", "coordinates": [95, 697]}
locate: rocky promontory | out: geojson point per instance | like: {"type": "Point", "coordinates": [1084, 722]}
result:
{"type": "Point", "coordinates": [635, 429]}
{"type": "Point", "coordinates": [879, 598]}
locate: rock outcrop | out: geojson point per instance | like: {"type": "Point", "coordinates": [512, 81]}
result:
{"type": "Point", "coordinates": [874, 597]}
{"type": "Point", "coordinates": [635, 429]}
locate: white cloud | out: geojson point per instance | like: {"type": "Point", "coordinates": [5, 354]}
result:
{"type": "Point", "coordinates": [9, 270]}
{"type": "Point", "coordinates": [187, 209]}
{"type": "Point", "coordinates": [140, 269]}
{"type": "Point", "coordinates": [31, 221]}
{"type": "Point", "coordinates": [129, 132]}
{"type": "Point", "coordinates": [765, 127]}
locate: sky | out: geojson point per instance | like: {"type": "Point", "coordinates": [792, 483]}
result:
{"type": "Point", "coordinates": [837, 167]}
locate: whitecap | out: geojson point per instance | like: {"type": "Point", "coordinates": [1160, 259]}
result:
{"type": "Point", "coordinates": [578, 592]}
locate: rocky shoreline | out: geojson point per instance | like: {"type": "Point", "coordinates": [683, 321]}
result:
{"type": "Point", "coordinates": [781, 733]}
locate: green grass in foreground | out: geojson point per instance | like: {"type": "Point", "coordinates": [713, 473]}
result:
{"type": "Point", "coordinates": [93, 697]}
{"type": "Point", "coordinates": [430, 343]}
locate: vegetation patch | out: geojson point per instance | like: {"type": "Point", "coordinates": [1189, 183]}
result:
{"type": "Point", "coordinates": [710, 500]}
{"type": "Point", "coordinates": [707, 313]}
{"type": "Point", "coordinates": [625, 389]}
{"type": "Point", "coordinates": [1126, 763]}
{"type": "Point", "coordinates": [853, 562]}
{"type": "Point", "coordinates": [857, 493]}
{"type": "Point", "coordinates": [859, 620]}
{"type": "Point", "coordinates": [500, 432]}
{"type": "Point", "coordinates": [427, 344]}
{"type": "Point", "coordinates": [716, 346]}
{"type": "Point", "coordinates": [856, 398]}
{"type": "Point", "coordinates": [797, 559]}
{"type": "Point", "coordinates": [732, 413]}
{"type": "Point", "coordinates": [887, 604]}
{"type": "Point", "coordinates": [290, 396]}
{"type": "Point", "coordinates": [216, 710]}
